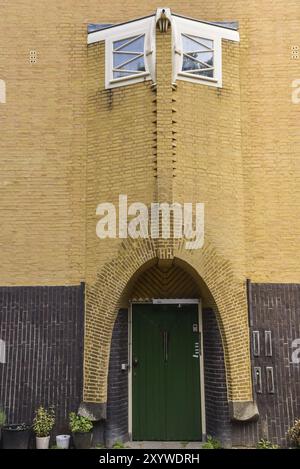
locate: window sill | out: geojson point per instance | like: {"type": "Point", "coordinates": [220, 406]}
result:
{"type": "Point", "coordinates": [198, 77]}
{"type": "Point", "coordinates": [130, 78]}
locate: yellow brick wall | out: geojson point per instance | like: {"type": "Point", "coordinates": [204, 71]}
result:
{"type": "Point", "coordinates": [209, 169]}
{"type": "Point", "coordinates": [42, 144]}
{"type": "Point", "coordinates": [43, 141]}
{"type": "Point", "coordinates": [209, 166]}
{"type": "Point", "coordinates": [120, 152]}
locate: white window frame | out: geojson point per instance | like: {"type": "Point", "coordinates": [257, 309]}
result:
{"type": "Point", "coordinates": [184, 53]}
{"type": "Point", "coordinates": [145, 26]}
{"type": "Point", "coordinates": [130, 57]}
{"type": "Point", "coordinates": [205, 31]}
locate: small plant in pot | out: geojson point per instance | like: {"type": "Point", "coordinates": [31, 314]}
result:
{"type": "Point", "coordinates": [42, 425]}
{"type": "Point", "coordinates": [81, 428]}
{"type": "Point", "coordinates": [294, 434]}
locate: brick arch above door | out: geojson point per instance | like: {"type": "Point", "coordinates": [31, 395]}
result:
{"type": "Point", "coordinates": [216, 281]}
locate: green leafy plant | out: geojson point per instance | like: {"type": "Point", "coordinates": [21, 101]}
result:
{"type": "Point", "coordinates": [79, 424]}
{"type": "Point", "coordinates": [43, 422]}
{"type": "Point", "coordinates": [2, 418]}
{"type": "Point", "coordinates": [212, 443]}
{"type": "Point", "coordinates": [265, 444]}
{"type": "Point", "coordinates": [294, 434]}
{"type": "Point", "coordinates": [98, 446]}
{"type": "Point", "coordinates": [118, 445]}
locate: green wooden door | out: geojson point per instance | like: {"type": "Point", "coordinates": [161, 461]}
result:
{"type": "Point", "coordinates": [165, 373]}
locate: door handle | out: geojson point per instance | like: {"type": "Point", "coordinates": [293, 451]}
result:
{"type": "Point", "coordinates": [135, 362]}
{"type": "Point", "coordinates": [166, 345]}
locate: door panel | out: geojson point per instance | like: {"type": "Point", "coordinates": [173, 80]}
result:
{"type": "Point", "coordinates": [166, 378]}
{"type": "Point", "coordinates": [148, 378]}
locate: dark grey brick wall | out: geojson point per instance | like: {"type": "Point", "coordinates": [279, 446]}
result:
{"type": "Point", "coordinates": [116, 428]}
{"type": "Point", "coordinates": [274, 308]}
{"type": "Point", "coordinates": [43, 330]}
{"type": "Point", "coordinates": [217, 411]}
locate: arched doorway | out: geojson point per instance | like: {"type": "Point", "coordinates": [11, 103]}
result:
{"type": "Point", "coordinates": [173, 367]}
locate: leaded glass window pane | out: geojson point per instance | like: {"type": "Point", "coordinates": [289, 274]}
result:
{"type": "Point", "coordinates": [198, 56]}
{"type": "Point", "coordinates": [128, 56]}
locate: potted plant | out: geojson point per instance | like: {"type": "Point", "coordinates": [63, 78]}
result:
{"type": "Point", "coordinates": [42, 425]}
{"type": "Point", "coordinates": [294, 434]}
{"type": "Point", "coordinates": [81, 428]}
{"type": "Point", "coordinates": [16, 436]}
{"type": "Point", "coordinates": [2, 420]}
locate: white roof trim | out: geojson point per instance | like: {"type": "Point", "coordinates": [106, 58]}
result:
{"type": "Point", "coordinates": [218, 31]}
{"type": "Point", "coordinates": [103, 34]}
{"type": "Point", "coordinates": [221, 31]}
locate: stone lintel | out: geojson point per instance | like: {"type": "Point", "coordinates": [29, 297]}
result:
{"type": "Point", "coordinates": [93, 410]}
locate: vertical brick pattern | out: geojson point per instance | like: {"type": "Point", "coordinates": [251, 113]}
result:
{"type": "Point", "coordinates": [275, 308]}
{"type": "Point", "coordinates": [164, 131]}
{"type": "Point", "coordinates": [216, 402]}
{"type": "Point", "coordinates": [209, 161]}
{"type": "Point", "coordinates": [43, 331]}
{"type": "Point", "coordinates": [117, 406]}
